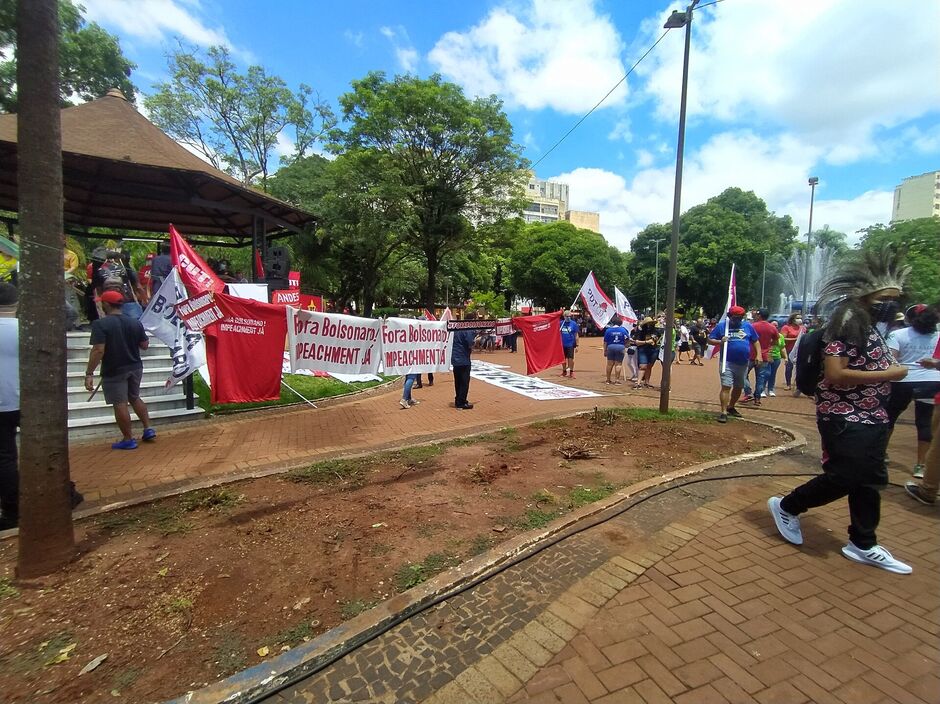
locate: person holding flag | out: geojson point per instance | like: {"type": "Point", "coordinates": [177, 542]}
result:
{"type": "Point", "coordinates": [569, 341]}
{"type": "Point", "coordinates": [737, 339]}
{"type": "Point", "coordinates": [646, 338]}
{"type": "Point", "coordinates": [615, 340]}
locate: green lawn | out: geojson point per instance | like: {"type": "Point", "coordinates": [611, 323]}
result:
{"type": "Point", "coordinates": [311, 387]}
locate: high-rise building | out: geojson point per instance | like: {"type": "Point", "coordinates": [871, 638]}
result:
{"type": "Point", "coordinates": [585, 219]}
{"type": "Point", "coordinates": [917, 197]}
{"type": "Point", "coordinates": [547, 200]}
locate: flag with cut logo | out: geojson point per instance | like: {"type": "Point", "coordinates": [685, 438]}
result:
{"type": "Point", "coordinates": [428, 315]}
{"type": "Point", "coordinates": [624, 309]}
{"type": "Point", "coordinates": [195, 274]}
{"type": "Point", "coordinates": [596, 302]}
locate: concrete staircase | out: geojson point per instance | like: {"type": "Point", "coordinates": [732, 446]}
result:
{"type": "Point", "coordinates": [87, 418]}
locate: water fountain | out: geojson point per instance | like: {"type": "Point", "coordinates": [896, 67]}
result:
{"type": "Point", "coordinates": [820, 259]}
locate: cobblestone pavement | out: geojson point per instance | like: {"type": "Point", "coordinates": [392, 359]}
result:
{"type": "Point", "coordinates": [267, 441]}
{"type": "Point", "coordinates": [690, 597]}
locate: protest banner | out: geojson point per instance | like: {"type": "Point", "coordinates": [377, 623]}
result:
{"type": "Point", "coordinates": [530, 386]}
{"type": "Point", "coordinates": [252, 292]}
{"type": "Point", "coordinates": [245, 349]}
{"type": "Point", "coordinates": [415, 346]}
{"type": "Point", "coordinates": [293, 280]}
{"type": "Point", "coordinates": [187, 349]}
{"type": "Point", "coordinates": [286, 298]}
{"type": "Point", "coordinates": [542, 338]}
{"type": "Point", "coordinates": [504, 326]}
{"type": "Point", "coordinates": [199, 311]}
{"type": "Point", "coordinates": [331, 342]}
{"type": "Point", "coordinates": [194, 272]}
{"type": "Point", "coordinates": [454, 325]}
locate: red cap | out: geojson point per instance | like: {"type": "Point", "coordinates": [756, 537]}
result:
{"type": "Point", "coordinates": [736, 310]}
{"type": "Point", "coordinates": [115, 298]}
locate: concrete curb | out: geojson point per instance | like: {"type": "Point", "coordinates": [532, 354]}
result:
{"type": "Point", "coordinates": [309, 657]}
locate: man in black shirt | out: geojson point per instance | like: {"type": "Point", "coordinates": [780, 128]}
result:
{"type": "Point", "coordinates": [116, 342]}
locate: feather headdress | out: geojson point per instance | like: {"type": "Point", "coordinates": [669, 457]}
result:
{"type": "Point", "coordinates": [854, 278]}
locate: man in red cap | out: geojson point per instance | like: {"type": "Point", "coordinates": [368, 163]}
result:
{"type": "Point", "coordinates": [116, 342]}
{"type": "Point", "coordinates": [738, 340]}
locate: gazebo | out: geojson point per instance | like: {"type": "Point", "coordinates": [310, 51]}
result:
{"type": "Point", "coordinates": [121, 171]}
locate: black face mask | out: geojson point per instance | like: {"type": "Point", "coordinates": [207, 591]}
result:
{"type": "Point", "coordinates": [884, 311]}
{"type": "Point", "coordinates": [736, 320]}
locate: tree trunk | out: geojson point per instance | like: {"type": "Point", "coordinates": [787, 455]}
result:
{"type": "Point", "coordinates": [46, 540]}
{"type": "Point", "coordinates": [431, 293]}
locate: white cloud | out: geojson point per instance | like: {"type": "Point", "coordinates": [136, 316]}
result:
{"type": "Point", "coordinates": [834, 72]}
{"type": "Point", "coordinates": [775, 169]}
{"type": "Point", "coordinates": [644, 158]}
{"type": "Point", "coordinates": [559, 55]}
{"type": "Point", "coordinates": [621, 131]}
{"type": "Point", "coordinates": [154, 21]}
{"type": "Point", "coordinates": [405, 53]}
{"type": "Point", "coordinates": [357, 39]}
{"type": "Point", "coordinates": [285, 145]}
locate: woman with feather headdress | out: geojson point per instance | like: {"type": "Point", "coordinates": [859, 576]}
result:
{"type": "Point", "coordinates": [852, 405]}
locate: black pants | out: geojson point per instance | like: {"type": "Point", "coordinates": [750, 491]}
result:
{"type": "Point", "coordinates": [853, 466]}
{"type": "Point", "coordinates": [9, 476]}
{"type": "Point", "coordinates": [902, 393]}
{"type": "Point", "coordinates": [461, 384]}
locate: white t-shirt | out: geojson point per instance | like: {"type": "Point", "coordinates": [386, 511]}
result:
{"type": "Point", "coordinates": [910, 347]}
{"type": "Point", "coordinates": [9, 364]}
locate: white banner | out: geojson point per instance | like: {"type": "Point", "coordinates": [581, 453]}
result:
{"type": "Point", "coordinates": [416, 346]}
{"type": "Point", "coordinates": [253, 292]}
{"type": "Point", "coordinates": [596, 302]}
{"type": "Point", "coordinates": [187, 348]}
{"type": "Point", "coordinates": [331, 342]}
{"type": "Point", "coordinates": [530, 386]}
{"type": "Point", "coordinates": [624, 309]}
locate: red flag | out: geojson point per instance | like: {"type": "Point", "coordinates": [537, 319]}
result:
{"type": "Point", "coordinates": [245, 350]}
{"type": "Point", "coordinates": [542, 340]}
{"type": "Point", "coordinates": [194, 272]}
{"type": "Point", "coordinates": [428, 315]}
{"type": "Point", "coordinates": [259, 267]}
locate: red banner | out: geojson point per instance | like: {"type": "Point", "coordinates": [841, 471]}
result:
{"type": "Point", "coordinates": [296, 299]}
{"type": "Point", "coordinates": [194, 272]}
{"type": "Point", "coordinates": [293, 280]}
{"type": "Point", "coordinates": [246, 350]}
{"type": "Point", "coordinates": [199, 311]}
{"type": "Point", "coordinates": [542, 340]}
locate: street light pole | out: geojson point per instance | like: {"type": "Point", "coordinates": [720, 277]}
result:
{"type": "Point", "coordinates": [809, 251]}
{"type": "Point", "coordinates": [763, 281]}
{"type": "Point", "coordinates": [656, 282]}
{"type": "Point", "coordinates": [677, 19]}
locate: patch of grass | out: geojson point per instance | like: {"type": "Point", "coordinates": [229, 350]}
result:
{"type": "Point", "coordinates": [210, 499]}
{"type": "Point", "coordinates": [413, 574]}
{"type": "Point", "coordinates": [544, 496]}
{"type": "Point", "coordinates": [329, 472]}
{"type": "Point", "coordinates": [311, 387]}
{"type": "Point", "coordinates": [179, 605]}
{"type": "Point", "coordinates": [351, 609]}
{"type": "Point", "coordinates": [125, 678]}
{"type": "Point", "coordinates": [415, 455]}
{"type": "Point", "coordinates": [583, 495]}
{"type": "Point", "coordinates": [230, 653]}
{"type": "Point", "coordinates": [7, 590]}
{"type": "Point", "coordinates": [295, 634]}
{"type": "Point", "coordinates": [480, 544]}
{"type": "Point", "coordinates": [534, 518]}
{"type": "Point", "coordinates": [167, 520]}
{"type": "Point", "coordinates": [550, 423]}
{"type": "Point", "coordinates": [653, 415]}
{"type": "Point", "coordinates": [36, 656]}
{"type": "Point", "coordinates": [429, 530]}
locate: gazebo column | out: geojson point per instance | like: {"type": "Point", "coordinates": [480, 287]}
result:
{"type": "Point", "coordinates": [259, 246]}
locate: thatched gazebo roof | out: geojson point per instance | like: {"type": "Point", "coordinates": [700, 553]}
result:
{"type": "Point", "coordinates": [122, 171]}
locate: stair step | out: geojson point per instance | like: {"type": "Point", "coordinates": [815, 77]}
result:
{"type": "Point", "coordinates": [161, 417]}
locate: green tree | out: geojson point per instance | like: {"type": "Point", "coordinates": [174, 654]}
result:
{"type": "Point", "coordinates": [921, 237]}
{"type": "Point", "coordinates": [451, 158]}
{"type": "Point", "coordinates": [551, 260]}
{"type": "Point", "coordinates": [90, 59]}
{"type": "Point", "coordinates": [235, 119]}
{"type": "Point", "coordinates": [831, 239]}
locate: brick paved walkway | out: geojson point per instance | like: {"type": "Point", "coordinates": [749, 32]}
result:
{"type": "Point", "coordinates": [267, 441]}
{"type": "Point", "coordinates": [667, 604]}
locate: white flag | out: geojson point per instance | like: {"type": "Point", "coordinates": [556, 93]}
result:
{"type": "Point", "coordinates": [624, 309]}
{"type": "Point", "coordinates": [596, 302]}
{"type": "Point", "coordinates": [187, 349]}
{"type": "Point", "coordinates": [447, 315]}
{"type": "Point", "coordinates": [732, 299]}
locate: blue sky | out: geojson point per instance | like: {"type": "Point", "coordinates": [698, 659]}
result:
{"type": "Point", "coordinates": [779, 90]}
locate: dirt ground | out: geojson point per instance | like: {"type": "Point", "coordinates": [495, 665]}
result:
{"type": "Point", "coordinates": [185, 591]}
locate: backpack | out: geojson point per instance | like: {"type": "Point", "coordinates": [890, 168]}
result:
{"type": "Point", "coordinates": [809, 362]}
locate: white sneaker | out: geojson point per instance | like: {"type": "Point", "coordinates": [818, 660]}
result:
{"type": "Point", "coordinates": [787, 523]}
{"type": "Point", "coordinates": [877, 557]}
{"type": "Point", "coordinates": [413, 402]}
{"type": "Point", "coordinates": [771, 393]}
{"type": "Point", "coordinates": [404, 404]}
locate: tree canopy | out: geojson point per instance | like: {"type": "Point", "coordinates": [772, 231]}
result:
{"type": "Point", "coordinates": [236, 119]}
{"type": "Point", "coordinates": [90, 59]}
{"type": "Point", "coordinates": [452, 159]}
{"type": "Point", "coordinates": [551, 260]}
{"type": "Point", "coordinates": [921, 238]}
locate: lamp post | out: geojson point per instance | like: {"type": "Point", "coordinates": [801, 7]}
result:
{"type": "Point", "coordinates": [809, 251]}
{"type": "Point", "coordinates": [763, 281]}
{"type": "Point", "coordinates": [676, 20]}
{"type": "Point", "coordinates": [656, 282]}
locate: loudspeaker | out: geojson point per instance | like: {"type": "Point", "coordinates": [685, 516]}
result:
{"type": "Point", "coordinates": [277, 263]}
